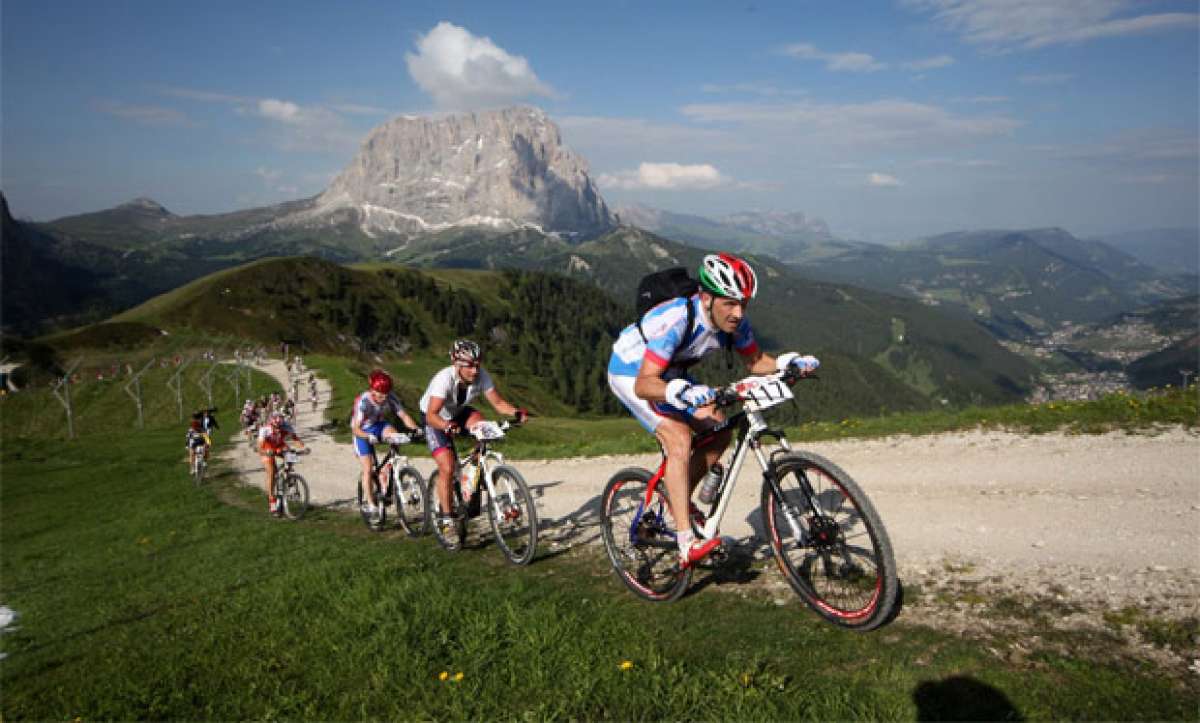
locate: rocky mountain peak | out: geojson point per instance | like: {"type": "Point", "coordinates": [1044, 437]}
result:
{"type": "Point", "coordinates": [505, 169]}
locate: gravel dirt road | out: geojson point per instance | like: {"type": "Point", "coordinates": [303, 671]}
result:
{"type": "Point", "coordinates": [1109, 519]}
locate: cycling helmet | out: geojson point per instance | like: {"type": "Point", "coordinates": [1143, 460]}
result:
{"type": "Point", "coordinates": [727, 275]}
{"type": "Point", "coordinates": [381, 381]}
{"type": "Point", "coordinates": [465, 350]}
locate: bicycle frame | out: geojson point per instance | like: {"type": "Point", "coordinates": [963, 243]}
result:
{"type": "Point", "coordinates": [487, 459]}
{"type": "Point", "coordinates": [752, 427]}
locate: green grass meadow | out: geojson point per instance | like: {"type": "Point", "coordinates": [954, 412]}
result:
{"type": "Point", "coordinates": [141, 596]}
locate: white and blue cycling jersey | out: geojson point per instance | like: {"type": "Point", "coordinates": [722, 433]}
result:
{"type": "Point", "coordinates": [665, 327]}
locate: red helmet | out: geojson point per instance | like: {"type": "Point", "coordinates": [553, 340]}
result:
{"type": "Point", "coordinates": [381, 381]}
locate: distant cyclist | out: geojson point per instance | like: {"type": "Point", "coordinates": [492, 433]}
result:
{"type": "Point", "coordinates": [650, 378]}
{"type": "Point", "coordinates": [371, 422]}
{"type": "Point", "coordinates": [446, 409]}
{"type": "Point", "coordinates": [195, 439]}
{"type": "Point", "coordinates": [272, 442]}
{"type": "Point", "coordinates": [208, 420]}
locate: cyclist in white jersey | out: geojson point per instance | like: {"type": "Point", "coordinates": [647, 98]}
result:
{"type": "Point", "coordinates": [650, 378]}
{"type": "Point", "coordinates": [446, 409]}
{"type": "Point", "coordinates": [371, 422]}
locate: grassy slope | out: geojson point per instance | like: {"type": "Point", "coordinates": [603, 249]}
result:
{"type": "Point", "coordinates": [142, 597]}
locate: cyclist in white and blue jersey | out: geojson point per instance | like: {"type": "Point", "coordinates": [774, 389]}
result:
{"type": "Point", "coordinates": [650, 378]}
{"type": "Point", "coordinates": [370, 423]}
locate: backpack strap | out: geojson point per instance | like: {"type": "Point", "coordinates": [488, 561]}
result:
{"type": "Point", "coordinates": [691, 326]}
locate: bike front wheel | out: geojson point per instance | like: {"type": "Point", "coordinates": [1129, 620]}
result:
{"type": "Point", "coordinates": [408, 495]}
{"type": "Point", "coordinates": [513, 515]}
{"type": "Point", "coordinates": [294, 492]}
{"type": "Point", "coordinates": [829, 542]}
{"type": "Point", "coordinates": [198, 470]}
{"type": "Point", "coordinates": [639, 535]}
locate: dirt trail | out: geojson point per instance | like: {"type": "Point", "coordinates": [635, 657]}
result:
{"type": "Point", "coordinates": [1113, 519]}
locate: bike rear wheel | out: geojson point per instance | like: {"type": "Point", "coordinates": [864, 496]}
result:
{"type": "Point", "coordinates": [198, 470]}
{"type": "Point", "coordinates": [639, 535]}
{"type": "Point", "coordinates": [408, 495]}
{"type": "Point", "coordinates": [294, 493]}
{"type": "Point", "coordinates": [453, 538]}
{"type": "Point", "coordinates": [373, 522]}
{"type": "Point", "coordinates": [513, 516]}
{"type": "Point", "coordinates": [829, 542]}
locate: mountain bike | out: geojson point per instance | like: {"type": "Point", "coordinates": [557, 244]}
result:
{"type": "Point", "coordinates": [289, 486]}
{"type": "Point", "coordinates": [482, 480]}
{"type": "Point", "coordinates": [404, 492]}
{"type": "Point", "coordinates": [824, 533]}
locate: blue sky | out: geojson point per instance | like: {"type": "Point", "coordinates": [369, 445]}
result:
{"type": "Point", "coordinates": [888, 120]}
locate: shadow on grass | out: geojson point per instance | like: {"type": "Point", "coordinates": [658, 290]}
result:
{"type": "Point", "coordinates": [961, 698]}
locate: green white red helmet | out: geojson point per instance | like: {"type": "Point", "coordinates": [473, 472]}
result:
{"type": "Point", "coordinates": [727, 275]}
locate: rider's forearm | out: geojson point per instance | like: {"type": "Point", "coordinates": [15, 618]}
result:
{"type": "Point", "coordinates": [652, 389]}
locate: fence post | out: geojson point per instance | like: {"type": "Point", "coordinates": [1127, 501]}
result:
{"type": "Point", "coordinates": [206, 382]}
{"type": "Point", "coordinates": [136, 392]}
{"type": "Point", "coordinates": [176, 383]}
{"type": "Point", "coordinates": [64, 397]}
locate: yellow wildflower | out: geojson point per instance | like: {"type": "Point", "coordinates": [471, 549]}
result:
{"type": "Point", "coordinates": [458, 677]}
{"type": "Point", "coordinates": [443, 675]}
{"type": "Point", "coordinates": [626, 665]}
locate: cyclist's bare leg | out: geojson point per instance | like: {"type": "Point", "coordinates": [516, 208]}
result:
{"type": "Point", "coordinates": [269, 464]}
{"type": "Point", "coordinates": [683, 469]}
{"type": "Point", "coordinates": [705, 457]}
{"type": "Point", "coordinates": [365, 481]}
{"type": "Point", "coordinates": [445, 459]}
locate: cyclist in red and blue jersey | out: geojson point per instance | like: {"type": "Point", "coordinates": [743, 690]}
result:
{"type": "Point", "coordinates": [650, 378]}
{"type": "Point", "coordinates": [371, 422]}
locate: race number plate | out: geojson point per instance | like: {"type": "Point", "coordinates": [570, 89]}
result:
{"type": "Point", "coordinates": [760, 394]}
{"type": "Point", "coordinates": [487, 430]}
{"type": "Point", "coordinates": [290, 457]}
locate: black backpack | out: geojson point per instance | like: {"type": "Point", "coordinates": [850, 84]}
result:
{"type": "Point", "coordinates": [662, 286]}
{"type": "Point", "coordinates": [665, 285]}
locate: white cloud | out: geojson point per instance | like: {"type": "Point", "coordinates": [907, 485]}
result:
{"type": "Point", "coordinates": [1045, 78]}
{"type": "Point", "coordinates": [891, 123]}
{"type": "Point", "coordinates": [848, 62]}
{"type": "Point", "coordinates": [148, 115]}
{"type": "Point", "coordinates": [937, 61]}
{"type": "Point", "coordinates": [465, 72]}
{"type": "Point", "coordinates": [1028, 24]}
{"type": "Point", "coordinates": [882, 180]}
{"type": "Point", "coordinates": [664, 176]}
{"type": "Point", "coordinates": [280, 110]}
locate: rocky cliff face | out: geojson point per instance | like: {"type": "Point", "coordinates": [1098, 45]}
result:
{"type": "Point", "coordinates": [504, 169]}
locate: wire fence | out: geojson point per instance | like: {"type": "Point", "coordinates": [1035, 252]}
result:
{"type": "Point", "coordinates": [100, 392]}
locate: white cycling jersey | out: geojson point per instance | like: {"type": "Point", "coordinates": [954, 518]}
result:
{"type": "Point", "coordinates": [455, 392]}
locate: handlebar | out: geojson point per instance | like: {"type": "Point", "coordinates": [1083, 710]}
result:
{"type": "Point", "coordinates": [729, 395]}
